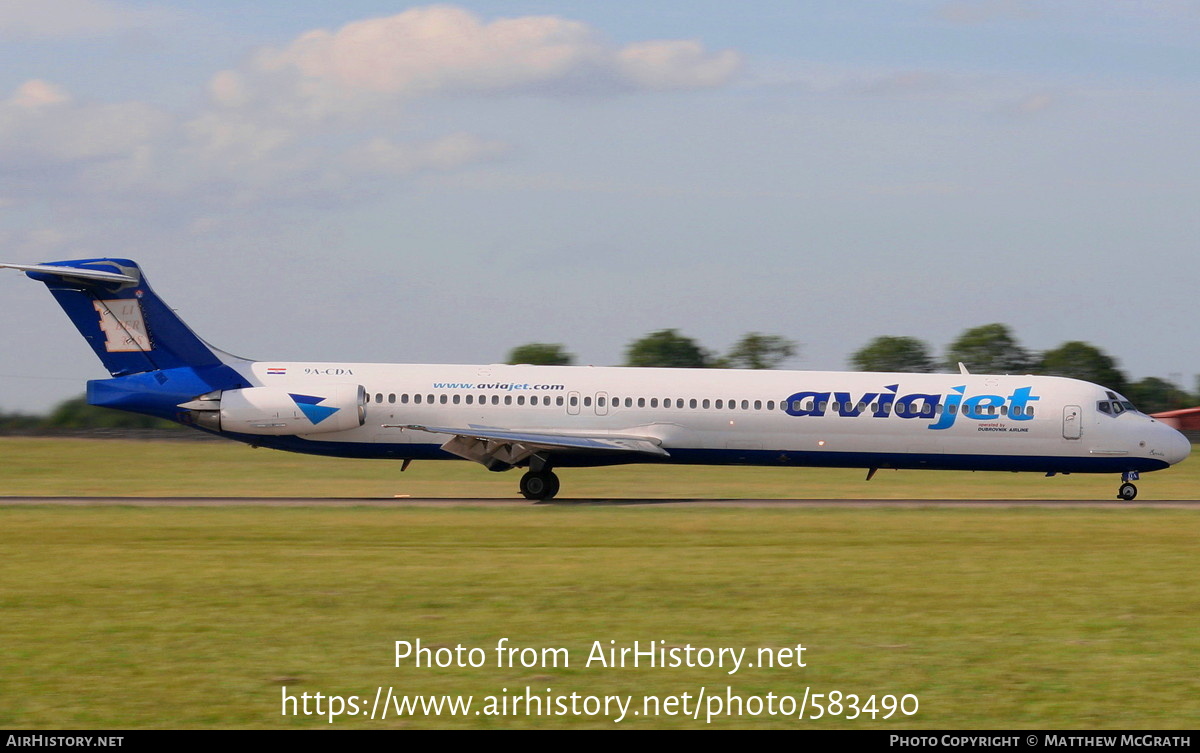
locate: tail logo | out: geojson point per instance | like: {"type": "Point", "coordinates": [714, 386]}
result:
{"type": "Point", "coordinates": [309, 407]}
{"type": "Point", "coordinates": [123, 326]}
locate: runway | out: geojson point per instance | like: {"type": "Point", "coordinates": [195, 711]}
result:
{"type": "Point", "coordinates": [403, 502]}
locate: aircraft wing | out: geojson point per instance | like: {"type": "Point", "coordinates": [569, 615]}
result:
{"type": "Point", "coordinates": [489, 445]}
{"type": "Point", "coordinates": [553, 440]}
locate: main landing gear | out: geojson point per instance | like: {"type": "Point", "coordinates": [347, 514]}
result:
{"type": "Point", "coordinates": [1127, 491]}
{"type": "Point", "coordinates": [539, 482]}
{"type": "Point", "coordinates": [539, 485]}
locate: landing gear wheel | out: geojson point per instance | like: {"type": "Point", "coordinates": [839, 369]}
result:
{"type": "Point", "coordinates": [539, 485]}
{"type": "Point", "coordinates": [1127, 492]}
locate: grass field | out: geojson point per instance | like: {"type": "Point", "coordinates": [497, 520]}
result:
{"type": "Point", "coordinates": [197, 617]}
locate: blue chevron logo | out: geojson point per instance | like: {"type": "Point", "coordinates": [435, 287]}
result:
{"type": "Point", "coordinates": [308, 406]}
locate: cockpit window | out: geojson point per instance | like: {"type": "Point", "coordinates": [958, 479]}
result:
{"type": "Point", "coordinates": [1114, 407]}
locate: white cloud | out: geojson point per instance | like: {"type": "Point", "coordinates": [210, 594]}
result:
{"type": "Point", "coordinates": [228, 89]}
{"type": "Point", "coordinates": [41, 122]}
{"type": "Point", "coordinates": [425, 50]}
{"type": "Point", "coordinates": [676, 65]}
{"type": "Point", "coordinates": [38, 93]}
{"type": "Point", "coordinates": [319, 116]}
{"type": "Point", "coordinates": [443, 49]}
{"type": "Point", "coordinates": [1035, 103]}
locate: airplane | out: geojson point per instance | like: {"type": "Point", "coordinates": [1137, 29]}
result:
{"type": "Point", "coordinates": [541, 418]}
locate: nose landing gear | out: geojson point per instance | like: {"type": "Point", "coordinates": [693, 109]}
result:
{"type": "Point", "coordinates": [1127, 491]}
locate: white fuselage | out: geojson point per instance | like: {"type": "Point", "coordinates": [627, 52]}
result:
{"type": "Point", "coordinates": [543, 417]}
{"type": "Point", "coordinates": [850, 419]}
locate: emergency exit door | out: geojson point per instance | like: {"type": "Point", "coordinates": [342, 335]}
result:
{"type": "Point", "coordinates": [1072, 422]}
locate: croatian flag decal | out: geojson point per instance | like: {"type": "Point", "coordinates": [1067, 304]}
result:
{"type": "Point", "coordinates": [280, 370]}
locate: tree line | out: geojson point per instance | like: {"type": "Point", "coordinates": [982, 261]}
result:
{"type": "Point", "coordinates": [986, 349]}
{"type": "Point", "coordinates": [666, 348]}
{"type": "Point", "coordinates": [75, 413]}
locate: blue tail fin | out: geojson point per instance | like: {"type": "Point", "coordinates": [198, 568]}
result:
{"type": "Point", "coordinates": [156, 361]}
{"type": "Point", "coordinates": [114, 308]}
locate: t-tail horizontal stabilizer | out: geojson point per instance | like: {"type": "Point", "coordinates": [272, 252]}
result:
{"type": "Point", "coordinates": [72, 273]}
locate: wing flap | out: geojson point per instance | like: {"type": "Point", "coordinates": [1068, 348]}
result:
{"type": "Point", "coordinates": [487, 444]}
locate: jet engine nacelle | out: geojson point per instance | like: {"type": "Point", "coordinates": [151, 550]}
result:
{"type": "Point", "coordinates": [323, 409]}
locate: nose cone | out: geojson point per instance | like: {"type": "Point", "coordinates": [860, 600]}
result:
{"type": "Point", "coordinates": [1175, 445]}
{"type": "Point", "coordinates": [1162, 442]}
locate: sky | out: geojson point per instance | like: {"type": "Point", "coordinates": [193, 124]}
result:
{"type": "Point", "coordinates": [372, 181]}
